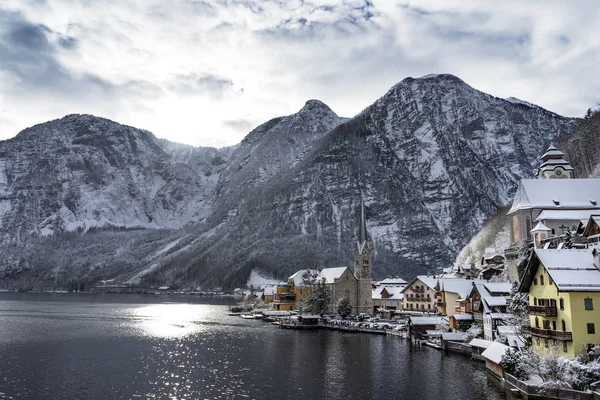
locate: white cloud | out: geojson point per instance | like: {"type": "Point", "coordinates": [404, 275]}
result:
{"type": "Point", "coordinates": [204, 73]}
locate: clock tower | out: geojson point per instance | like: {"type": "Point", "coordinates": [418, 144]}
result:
{"type": "Point", "coordinates": [363, 267]}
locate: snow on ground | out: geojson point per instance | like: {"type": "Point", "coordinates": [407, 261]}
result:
{"type": "Point", "coordinates": [259, 281]}
{"type": "Point", "coordinates": [166, 248]}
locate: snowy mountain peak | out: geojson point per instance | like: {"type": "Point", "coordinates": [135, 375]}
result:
{"type": "Point", "coordinates": [515, 100]}
{"type": "Point", "coordinates": [316, 106]}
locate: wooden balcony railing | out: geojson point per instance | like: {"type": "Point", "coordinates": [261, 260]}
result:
{"type": "Point", "coordinates": [550, 334]}
{"type": "Point", "coordinates": [544, 311]}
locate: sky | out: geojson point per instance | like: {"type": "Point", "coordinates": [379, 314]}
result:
{"type": "Point", "coordinates": [205, 73]}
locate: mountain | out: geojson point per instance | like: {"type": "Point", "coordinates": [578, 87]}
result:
{"type": "Point", "coordinates": [581, 146]}
{"type": "Point", "coordinates": [432, 159]}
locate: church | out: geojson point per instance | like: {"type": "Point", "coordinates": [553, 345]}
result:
{"type": "Point", "coordinates": [341, 281]}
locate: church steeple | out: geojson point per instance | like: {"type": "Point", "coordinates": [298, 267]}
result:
{"type": "Point", "coordinates": [363, 268]}
{"type": "Point", "coordinates": [362, 229]}
{"type": "Point", "coordinates": [554, 165]}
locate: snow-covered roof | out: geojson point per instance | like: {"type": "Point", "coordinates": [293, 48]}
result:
{"type": "Point", "coordinates": [393, 281]}
{"type": "Point", "coordinates": [298, 278]}
{"type": "Point", "coordinates": [481, 343]}
{"type": "Point", "coordinates": [425, 320]}
{"type": "Point", "coordinates": [454, 336]}
{"type": "Point", "coordinates": [428, 281]}
{"type": "Point", "coordinates": [506, 329]}
{"type": "Point", "coordinates": [593, 220]}
{"type": "Point", "coordinates": [557, 194]}
{"type": "Point", "coordinates": [270, 290]}
{"type": "Point", "coordinates": [502, 316]}
{"type": "Point", "coordinates": [463, 317]}
{"type": "Point", "coordinates": [394, 292]}
{"type": "Point", "coordinates": [515, 341]}
{"type": "Point", "coordinates": [540, 227]}
{"type": "Point", "coordinates": [499, 287]}
{"type": "Point", "coordinates": [458, 285]}
{"type": "Point", "coordinates": [330, 274]}
{"type": "Point", "coordinates": [493, 295]}
{"type": "Point", "coordinates": [565, 215]}
{"type": "Point", "coordinates": [570, 269]}
{"type": "Point", "coordinates": [495, 352]}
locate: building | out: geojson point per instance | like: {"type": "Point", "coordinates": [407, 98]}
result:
{"type": "Point", "coordinates": [544, 209]}
{"type": "Point", "coordinates": [489, 302]}
{"type": "Point", "coordinates": [591, 231]}
{"type": "Point", "coordinates": [564, 297]}
{"type": "Point", "coordinates": [284, 298]}
{"type": "Point", "coordinates": [269, 293]}
{"type": "Point", "coordinates": [420, 294]}
{"type": "Point", "coordinates": [554, 165]}
{"type": "Point", "coordinates": [493, 355]}
{"type": "Point", "coordinates": [418, 326]}
{"type": "Point", "coordinates": [363, 267]}
{"type": "Point", "coordinates": [451, 291]}
{"type": "Point", "coordinates": [557, 203]}
{"type": "Point", "coordinates": [387, 299]}
{"type": "Point", "coordinates": [341, 283]}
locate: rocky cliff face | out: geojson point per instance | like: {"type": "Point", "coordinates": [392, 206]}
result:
{"type": "Point", "coordinates": [82, 171]}
{"type": "Point", "coordinates": [432, 159]}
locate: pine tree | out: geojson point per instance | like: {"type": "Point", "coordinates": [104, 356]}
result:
{"type": "Point", "coordinates": [319, 299]}
{"type": "Point", "coordinates": [568, 244]}
{"type": "Point", "coordinates": [344, 308]}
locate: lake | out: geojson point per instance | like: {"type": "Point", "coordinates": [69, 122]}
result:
{"type": "Point", "coordinates": [92, 346]}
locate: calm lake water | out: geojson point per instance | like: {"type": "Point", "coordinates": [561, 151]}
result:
{"type": "Point", "coordinates": [68, 346]}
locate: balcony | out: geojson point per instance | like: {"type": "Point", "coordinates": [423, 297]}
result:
{"type": "Point", "coordinates": [418, 290]}
{"type": "Point", "coordinates": [544, 311]}
{"type": "Point", "coordinates": [550, 334]}
{"type": "Point", "coordinates": [287, 296]}
{"type": "Point", "coordinates": [441, 303]}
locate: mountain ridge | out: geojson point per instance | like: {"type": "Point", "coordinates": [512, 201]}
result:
{"type": "Point", "coordinates": [432, 159]}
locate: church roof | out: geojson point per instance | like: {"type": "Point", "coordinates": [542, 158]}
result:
{"type": "Point", "coordinates": [566, 215]}
{"type": "Point", "coordinates": [540, 227]}
{"type": "Point", "coordinates": [331, 274]}
{"type": "Point", "coordinates": [556, 194]}
{"type": "Point", "coordinates": [552, 153]}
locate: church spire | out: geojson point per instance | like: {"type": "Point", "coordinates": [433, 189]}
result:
{"type": "Point", "coordinates": [362, 229]}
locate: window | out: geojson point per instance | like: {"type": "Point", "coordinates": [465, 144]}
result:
{"type": "Point", "coordinates": [429, 306]}
{"type": "Point", "coordinates": [565, 347]}
{"type": "Point", "coordinates": [549, 280]}
{"type": "Point", "coordinates": [535, 301]}
{"type": "Point", "coordinates": [591, 329]}
{"type": "Point", "coordinates": [562, 303]}
{"type": "Point", "coordinates": [537, 322]}
{"type": "Point", "coordinates": [535, 281]}
{"type": "Point", "coordinates": [553, 325]}
{"type": "Point", "coordinates": [589, 304]}
{"type": "Point", "coordinates": [564, 326]}
{"type": "Point", "coordinates": [546, 342]}
{"type": "Point", "coordinates": [537, 341]}
{"type": "Point", "coordinates": [542, 279]}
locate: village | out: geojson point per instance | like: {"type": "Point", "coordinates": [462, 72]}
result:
{"type": "Point", "coordinates": [527, 311]}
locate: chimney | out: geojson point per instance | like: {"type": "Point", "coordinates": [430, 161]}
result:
{"type": "Point", "coordinates": [596, 254]}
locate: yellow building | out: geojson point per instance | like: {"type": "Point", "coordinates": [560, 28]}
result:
{"type": "Point", "coordinates": [297, 289]}
{"type": "Point", "coordinates": [269, 293]}
{"type": "Point", "coordinates": [564, 299]}
{"type": "Point", "coordinates": [285, 298]}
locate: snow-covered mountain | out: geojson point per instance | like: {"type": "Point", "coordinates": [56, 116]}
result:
{"type": "Point", "coordinates": [431, 159]}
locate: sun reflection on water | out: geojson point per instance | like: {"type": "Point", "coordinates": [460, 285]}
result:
{"type": "Point", "coordinates": [170, 320]}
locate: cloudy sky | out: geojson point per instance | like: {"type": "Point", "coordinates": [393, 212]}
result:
{"type": "Point", "coordinates": [207, 72]}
